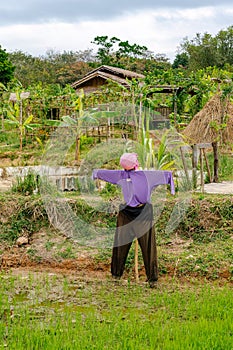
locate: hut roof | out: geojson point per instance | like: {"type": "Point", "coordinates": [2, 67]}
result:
{"type": "Point", "coordinates": [208, 124]}
{"type": "Point", "coordinates": [108, 73]}
{"type": "Point", "coordinates": [121, 72]}
{"type": "Point", "coordinates": [99, 74]}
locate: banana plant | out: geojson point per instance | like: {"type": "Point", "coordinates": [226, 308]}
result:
{"type": "Point", "coordinates": [164, 158]}
{"type": "Point", "coordinates": [155, 157]}
{"type": "Point", "coordinates": [77, 121]}
{"type": "Point", "coordinates": [3, 103]}
{"type": "Point", "coordinates": [15, 115]}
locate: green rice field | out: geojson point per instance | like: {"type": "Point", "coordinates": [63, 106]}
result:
{"type": "Point", "coordinates": [55, 311]}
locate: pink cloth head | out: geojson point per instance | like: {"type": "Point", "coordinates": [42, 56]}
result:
{"type": "Point", "coordinates": [129, 161]}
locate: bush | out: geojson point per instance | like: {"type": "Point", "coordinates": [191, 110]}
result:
{"type": "Point", "coordinates": [26, 185]}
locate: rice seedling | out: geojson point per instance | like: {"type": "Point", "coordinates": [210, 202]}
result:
{"type": "Point", "coordinates": [47, 311]}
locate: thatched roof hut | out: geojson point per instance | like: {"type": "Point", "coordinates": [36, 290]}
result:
{"type": "Point", "coordinates": [213, 123]}
{"type": "Point", "coordinates": [93, 80]}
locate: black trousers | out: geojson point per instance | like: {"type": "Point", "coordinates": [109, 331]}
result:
{"type": "Point", "coordinates": [135, 223]}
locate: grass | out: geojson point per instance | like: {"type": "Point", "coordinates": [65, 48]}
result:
{"type": "Point", "coordinates": [41, 311]}
{"type": "Point", "coordinates": [225, 166]}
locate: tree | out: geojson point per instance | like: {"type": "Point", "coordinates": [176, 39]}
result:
{"type": "Point", "coordinates": [6, 67]}
{"type": "Point", "coordinates": [105, 50]}
{"type": "Point", "coordinates": [208, 51]}
{"type": "Point", "coordinates": [181, 61]}
{"type": "Point", "coordinates": [202, 51]}
{"type": "Point", "coordinates": [224, 45]}
{"type": "Point", "coordinates": [134, 50]}
{"type": "Point", "coordinates": [113, 49]}
{"type": "Point", "coordinates": [122, 54]}
{"type": "Point", "coordinates": [53, 68]}
{"type": "Point", "coordinates": [29, 69]}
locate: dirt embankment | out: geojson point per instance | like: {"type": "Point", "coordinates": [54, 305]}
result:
{"type": "Point", "coordinates": [201, 245]}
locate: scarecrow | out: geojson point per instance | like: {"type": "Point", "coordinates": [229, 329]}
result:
{"type": "Point", "coordinates": [135, 216]}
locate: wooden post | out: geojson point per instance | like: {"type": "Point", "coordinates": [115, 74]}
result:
{"type": "Point", "coordinates": [136, 261]}
{"type": "Point", "coordinates": [202, 170]}
{"type": "Point", "coordinates": [207, 165]}
{"type": "Point", "coordinates": [108, 129]}
{"type": "Point", "coordinates": [215, 150]}
{"type": "Point", "coordinates": [112, 129]}
{"type": "Point", "coordinates": [175, 109]}
{"type": "Point", "coordinates": [185, 166]}
{"type": "Point", "coordinates": [99, 134]}
{"type": "Point", "coordinates": [77, 148]}
{"type": "Point", "coordinates": [195, 162]}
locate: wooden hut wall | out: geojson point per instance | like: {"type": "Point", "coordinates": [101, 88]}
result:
{"type": "Point", "coordinates": [92, 85]}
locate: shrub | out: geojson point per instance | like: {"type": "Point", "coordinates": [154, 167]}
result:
{"type": "Point", "coordinates": [26, 185]}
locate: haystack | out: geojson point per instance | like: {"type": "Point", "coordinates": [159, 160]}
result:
{"type": "Point", "coordinates": [207, 126]}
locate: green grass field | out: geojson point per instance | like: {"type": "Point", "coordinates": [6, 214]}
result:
{"type": "Point", "coordinates": [50, 311]}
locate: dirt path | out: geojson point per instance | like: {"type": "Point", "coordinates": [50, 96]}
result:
{"type": "Point", "coordinates": [5, 185]}
{"type": "Point", "coordinates": [224, 187]}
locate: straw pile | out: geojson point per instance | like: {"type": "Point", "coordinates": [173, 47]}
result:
{"type": "Point", "coordinates": [203, 127]}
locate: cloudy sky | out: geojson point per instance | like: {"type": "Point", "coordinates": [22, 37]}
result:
{"type": "Point", "coordinates": [35, 26]}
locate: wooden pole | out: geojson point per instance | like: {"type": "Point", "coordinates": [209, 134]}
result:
{"type": "Point", "coordinates": [175, 108]}
{"type": "Point", "coordinates": [202, 170]}
{"type": "Point", "coordinates": [21, 124]}
{"type": "Point", "coordinates": [195, 162]}
{"type": "Point", "coordinates": [207, 165]}
{"type": "Point", "coordinates": [136, 261]}
{"type": "Point", "coordinates": [185, 167]}
{"type": "Point", "coordinates": [215, 149]}
{"type": "Point", "coordinates": [77, 148]}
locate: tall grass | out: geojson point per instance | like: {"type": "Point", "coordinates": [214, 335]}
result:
{"type": "Point", "coordinates": [225, 166]}
{"type": "Point", "coordinates": [27, 185]}
{"type": "Point", "coordinates": [55, 312]}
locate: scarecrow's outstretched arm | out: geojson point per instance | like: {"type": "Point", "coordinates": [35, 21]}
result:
{"type": "Point", "coordinates": [112, 176]}
{"type": "Point", "coordinates": [160, 177]}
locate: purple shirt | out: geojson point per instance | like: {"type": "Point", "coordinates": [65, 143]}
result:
{"type": "Point", "coordinates": [136, 185]}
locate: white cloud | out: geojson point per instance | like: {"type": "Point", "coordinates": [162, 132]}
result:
{"type": "Point", "coordinates": [71, 11]}
{"type": "Point", "coordinates": [197, 14]}
{"type": "Point", "coordinates": [161, 30]}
